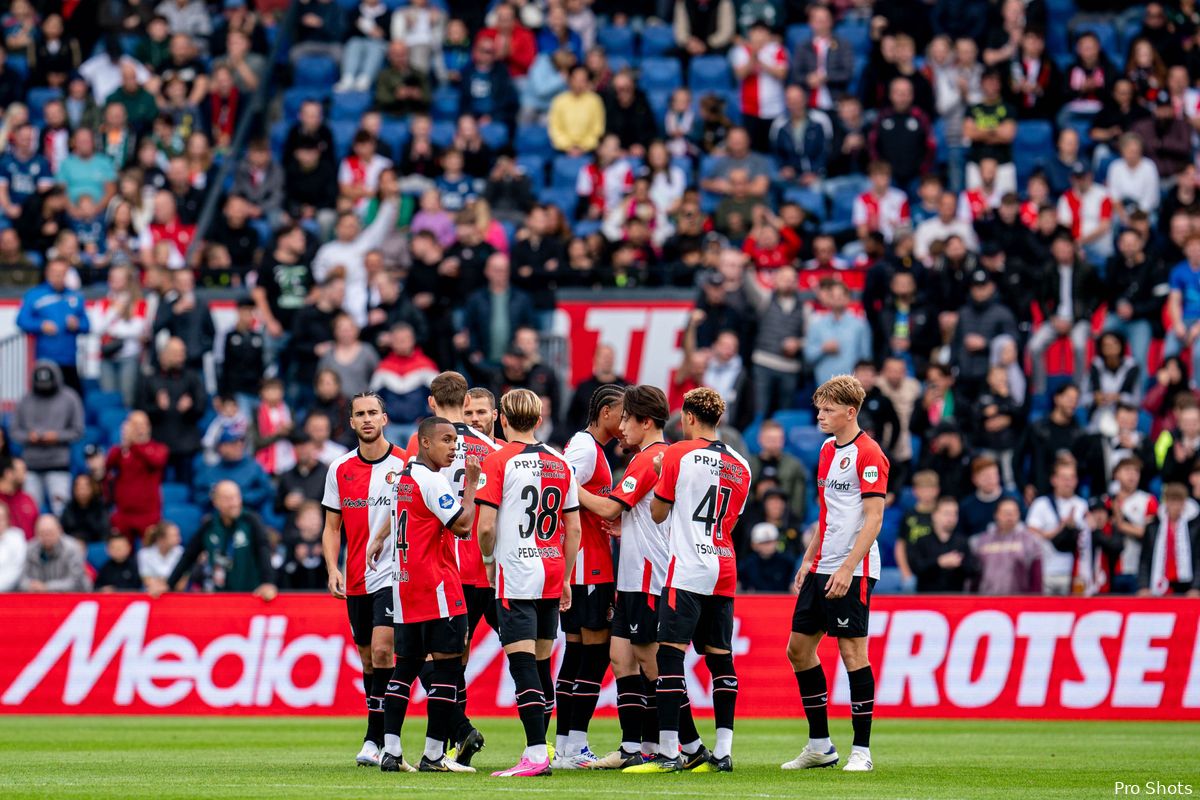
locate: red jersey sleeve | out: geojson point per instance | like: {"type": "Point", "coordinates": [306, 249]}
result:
{"type": "Point", "coordinates": [411, 450]}
{"type": "Point", "coordinates": [873, 471]}
{"type": "Point", "coordinates": [491, 480]}
{"type": "Point", "coordinates": [640, 479]}
{"type": "Point", "coordinates": [665, 490]}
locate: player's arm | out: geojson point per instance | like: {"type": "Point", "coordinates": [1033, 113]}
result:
{"type": "Point", "coordinates": [375, 548]}
{"type": "Point", "coordinates": [603, 507]}
{"type": "Point", "coordinates": [810, 553]}
{"type": "Point", "coordinates": [667, 470]}
{"type": "Point", "coordinates": [570, 551]}
{"type": "Point", "coordinates": [331, 545]}
{"type": "Point", "coordinates": [659, 510]}
{"type": "Point", "coordinates": [461, 527]}
{"type": "Point", "coordinates": [839, 582]}
{"type": "Point", "coordinates": [485, 531]}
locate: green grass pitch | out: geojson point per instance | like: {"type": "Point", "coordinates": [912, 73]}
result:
{"type": "Point", "coordinates": [302, 757]}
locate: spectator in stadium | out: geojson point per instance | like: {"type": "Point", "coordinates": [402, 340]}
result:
{"type": "Point", "coordinates": [12, 552]}
{"type": "Point", "coordinates": [760, 64]}
{"type": "Point", "coordinates": [1165, 137]}
{"type": "Point", "coordinates": [134, 471]}
{"type": "Point", "coordinates": [304, 567]}
{"type": "Point", "coordinates": [1170, 557]}
{"type": "Point", "coordinates": [47, 421]}
{"type": "Point", "coordinates": [836, 339]}
{"type": "Point", "coordinates": [990, 126]}
{"type": "Point", "coordinates": [347, 252]}
{"type": "Point", "coordinates": [401, 88]}
{"type": "Point", "coordinates": [603, 374]}
{"type": "Point", "coordinates": [124, 331]}
{"type": "Point", "coordinates": [389, 307]}
{"type": "Point", "coordinates": [1008, 555]}
{"type": "Point", "coordinates": [1058, 517]}
{"type": "Point", "coordinates": [353, 361]}
{"type": "Point", "coordinates": [978, 509]}
{"type": "Point", "coordinates": [403, 377]}
{"type": "Point", "coordinates": [320, 30]}
{"type": "Point", "coordinates": [765, 568]}
{"type": "Point", "coordinates": [824, 63]}
{"type": "Point", "coordinates": [320, 428]}
{"type": "Point", "coordinates": [305, 481]}
{"type": "Point", "coordinates": [487, 91]}
{"type": "Point", "coordinates": [1133, 181]}
{"type": "Point", "coordinates": [941, 562]}
{"type": "Point", "coordinates": [903, 135]}
{"type": "Point", "coordinates": [183, 316]}
{"type": "Point", "coordinates": [773, 464]}
{"type": "Point", "coordinates": [547, 79]}
{"type": "Point", "coordinates": [1183, 303]}
{"type": "Point", "coordinates": [271, 424]}
{"type": "Point", "coordinates": [259, 180]}
{"type": "Point", "coordinates": [1034, 84]}
{"type": "Point", "coordinates": [980, 321]}
{"type": "Point", "coordinates": [1046, 438]}
{"type": "Point", "coordinates": [495, 312]}
{"type": "Point", "coordinates": [577, 115]}
{"type": "Point", "coordinates": [1132, 278]}
{"type": "Point", "coordinates": [778, 346]}
{"type": "Point", "coordinates": [1112, 378]}
{"type": "Point", "coordinates": [244, 359]}
{"type": "Point", "coordinates": [54, 315]}
{"type": "Point", "coordinates": [738, 157]}
{"type": "Point", "coordinates": [1175, 449]}
{"type": "Point", "coordinates": [703, 27]}
{"type": "Point", "coordinates": [120, 572]}
{"type": "Point", "coordinates": [1120, 111]}
{"type": "Point", "coordinates": [87, 172]}
{"type": "Point", "coordinates": [158, 555]}
{"type": "Point", "coordinates": [22, 510]}
{"type": "Point", "coordinates": [85, 517]}
{"type": "Point", "coordinates": [515, 44]}
{"type": "Point", "coordinates": [1066, 299]}
{"type": "Point", "coordinates": [54, 562]}
{"type": "Point", "coordinates": [237, 553]}
{"type": "Point", "coordinates": [941, 227]}
{"type": "Point", "coordinates": [362, 57]}
{"type": "Point", "coordinates": [332, 403]}
{"type": "Point", "coordinates": [627, 115]}
{"type": "Point", "coordinates": [1086, 210]}
{"type": "Point", "coordinates": [174, 399]}
{"type": "Point", "coordinates": [801, 139]}
{"type": "Point", "coordinates": [237, 466]}
{"type": "Point", "coordinates": [23, 172]}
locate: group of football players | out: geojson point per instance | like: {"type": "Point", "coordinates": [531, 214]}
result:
{"type": "Point", "coordinates": [460, 526]}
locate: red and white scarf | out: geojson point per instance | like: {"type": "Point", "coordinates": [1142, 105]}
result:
{"type": "Point", "coordinates": [279, 457]}
{"type": "Point", "coordinates": [1179, 558]}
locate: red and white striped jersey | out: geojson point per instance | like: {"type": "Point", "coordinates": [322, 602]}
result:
{"type": "Point", "coordinates": [1139, 508]}
{"type": "Point", "coordinates": [604, 188]}
{"type": "Point", "coordinates": [470, 443]}
{"type": "Point", "coordinates": [974, 204]}
{"type": "Point", "coordinates": [362, 492]}
{"type": "Point", "coordinates": [594, 562]}
{"type": "Point", "coordinates": [427, 584]}
{"type": "Point", "coordinates": [707, 484]}
{"type": "Point", "coordinates": [531, 487]}
{"type": "Point", "coordinates": [1083, 215]}
{"type": "Point", "coordinates": [845, 475]}
{"type": "Point", "coordinates": [643, 563]}
{"type": "Point", "coordinates": [762, 93]}
{"type": "Point", "coordinates": [885, 214]}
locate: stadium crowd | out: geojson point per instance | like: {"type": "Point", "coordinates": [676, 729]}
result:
{"type": "Point", "coordinates": [985, 211]}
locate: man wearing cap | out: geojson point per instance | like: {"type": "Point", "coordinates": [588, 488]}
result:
{"type": "Point", "coordinates": [982, 319]}
{"type": "Point", "coordinates": [1087, 210]}
{"type": "Point", "coordinates": [235, 466]}
{"type": "Point", "coordinates": [1066, 297]}
{"type": "Point", "coordinates": [765, 569]}
{"type": "Point", "coordinates": [46, 423]}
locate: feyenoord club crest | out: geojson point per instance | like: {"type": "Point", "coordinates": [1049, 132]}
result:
{"type": "Point", "coordinates": [845, 462]}
{"type": "Point", "coordinates": [391, 477]}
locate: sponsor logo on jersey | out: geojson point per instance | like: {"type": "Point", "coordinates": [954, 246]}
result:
{"type": "Point", "coordinates": [482, 481]}
{"type": "Point", "coordinates": [629, 485]}
{"type": "Point", "coordinates": [446, 501]}
{"type": "Point", "coordinates": [843, 623]}
{"type": "Point", "coordinates": [839, 486]}
{"type": "Point", "coordinates": [870, 474]}
{"type": "Point", "coordinates": [845, 462]}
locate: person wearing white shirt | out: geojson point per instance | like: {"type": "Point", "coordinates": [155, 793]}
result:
{"type": "Point", "coordinates": [12, 552]}
{"type": "Point", "coordinates": [1058, 513]}
{"type": "Point", "coordinates": [1132, 179]}
{"type": "Point", "coordinates": [160, 552]}
{"type": "Point", "coordinates": [947, 223]}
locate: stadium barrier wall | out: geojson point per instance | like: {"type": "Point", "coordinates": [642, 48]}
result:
{"type": "Point", "coordinates": [972, 657]}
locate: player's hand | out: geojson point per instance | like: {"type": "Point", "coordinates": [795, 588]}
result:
{"type": "Point", "coordinates": [337, 584]}
{"type": "Point", "coordinates": [798, 581]}
{"type": "Point", "coordinates": [473, 468]}
{"type": "Point", "coordinates": [565, 603]}
{"type": "Point", "coordinates": [267, 592]}
{"type": "Point", "coordinates": [838, 583]}
{"type": "Point", "coordinates": [658, 464]}
{"type": "Point", "coordinates": [374, 550]}
{"type": "Point", "coordinates": [490, 569]}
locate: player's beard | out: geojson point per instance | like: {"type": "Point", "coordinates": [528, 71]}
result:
{"type": "Point", "coordinates": [368, 438]}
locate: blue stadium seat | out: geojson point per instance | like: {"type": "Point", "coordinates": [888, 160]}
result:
{"type": "Point", "coordinates": [343, 135]}
{"type": "Point", "coordinates": [841, 203]}
{"type": "Point", "coordinates": [534, 167]}
{"type": "Point", "coordinates": [564, 199]}
{"type": "Point", "coordinates": [566, 171]}
{"type": "Point", "coordinates": [660, 73]}
{"type": "Point", "coordinates": [495, 134]}
{"type": "Point", "coordinates": [795, 418]}
{"type": "Point", "coordinates": [442, 134]}
{"type": "Point", "coordinates": [394, 133]}
{"type": "Point", "coordinates": [795, 36]}
{"type": "Point", "coordinates": [295, 97]}
{"type": "Point", "coordinates": [857, 35]}
{"type": "Point", "coordinates": [657, 40]}
{"type": "Point", "coordinates": [810, 200]}
{"type": "Point", "coordinates": [1107, 34]}
{"type": "Point", "coordinates": [37, 99]}
{"type": "Point", "coordinates": [710, 72]}
{"type": "Point", "coordinates": [350, 105]}
{"type": "Point", "coordinates": [445, 103]}
{"type": "Point", "coordinates": [278, 135]}
{"type": "Point", "coordinates": [1036, 135]}
{"type": "Point", "coordinates": [889, 578]}
{"type": "Point", "coordinates": [19, 65]}
{"type": "Point", "coordinates": [660, 101]}
{"type": "Point", "coordinates": [805, 444]}
{"type": "Point", "coordinates": [111, 420]}
{"type": "Point", "coordinates": [186, 516]}
{"type": "Point", "coordinates": [97, 556]}
{"type": "Point", "coordinates": [618, 63]}
{"type": "Point", "coordinates": [176, 494]}
{"type": "Point", "coordinates": [586, 227]}
{"type": "Point", "coordinates": [95, 402]}
{"type": "Point", "coordinates": [319, 71]}
{"type": "Point", "coordinates": [617, 40]}
{"type": "Point", "coordinates": [532, 139]}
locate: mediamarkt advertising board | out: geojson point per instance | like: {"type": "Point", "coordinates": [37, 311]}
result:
{"type": "Point", "coordinates": [975, 657]}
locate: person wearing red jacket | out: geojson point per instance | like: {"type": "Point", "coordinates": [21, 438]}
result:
{"type": "Point", "coordinates": [134, 476]}
{"type": "Point", "coordinates": [516, 46]}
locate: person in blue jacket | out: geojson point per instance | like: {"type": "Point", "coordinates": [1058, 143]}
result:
{"type": "Point", "coordinates": [236, 466]}
{"type": "Point", "coordinates": [55, 316]}
{"type": "Point", "coordinates": [487, 91]}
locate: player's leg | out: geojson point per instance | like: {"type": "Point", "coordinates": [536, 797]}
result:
{"type": "Point", "coordinates": [716, 640]}
{"type": "Point", "coordinates": [409, 656]}
{"type": "Point", "coordinates": [383, 651]}
{"type": "Point", "coordinates": [647, 656]}
{"type": "Point", "coordinates": [568, 670]}
{"type": "Point", "coordinates": [519, 637]}
{"type": "Point", "coordinates": [547, 635]}
{"type": "Point", "coordinates": [359, 615]}
{"type": "Point", "coordinates": [679, 614]}
{"type": "Point", "coordinates": [443, 714]}
{"type": "Point", "coordinates": [597, 608]}
{"type": "Point", "coordinates": [631, 700]}
{"type": "Point", "coordinates": [809, 624]}
{"type": "Point", "coordinates": [465, 739]}
{"type": "Point", "coordinates": [852, 644]}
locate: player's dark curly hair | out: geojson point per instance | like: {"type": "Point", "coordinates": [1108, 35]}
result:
{"type": "Point", "coordinates": [602, 398]}
{"type": "Point", "coordinates": [705, 404]}
{"type": "Point", "coordinates": [647, 402]}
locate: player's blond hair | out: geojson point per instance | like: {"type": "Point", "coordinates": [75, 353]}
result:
{"type": "Point", "coordinates": [840, 390]}
{"type": "Point", "coordinates": [522, 409]}
{"type": "Point", "coordinates": [705, 404]}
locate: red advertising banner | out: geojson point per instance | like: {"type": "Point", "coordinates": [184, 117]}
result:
{"type": "Point", "coordinates": [646, 337]}
{"type": "Point", "coordinates": [1118, 658]}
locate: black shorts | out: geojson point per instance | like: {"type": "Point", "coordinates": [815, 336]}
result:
{"type": "Point", "coordinates": [591, 608]}
{"type": "Point", "coordinates": [705, 620]}
{"type": "Point", "coordinates": [481, 604]}
{"type": "Point", "coordinates": [526, 620]}
{"type": "Point", "coordinates": [844, 618]}
{"type": "Point", "coordinates": [635, 617]}
{"type": "Point", "coordinates": [415, 640]}
{"type": "Point", "coordinates": [367, 612]}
